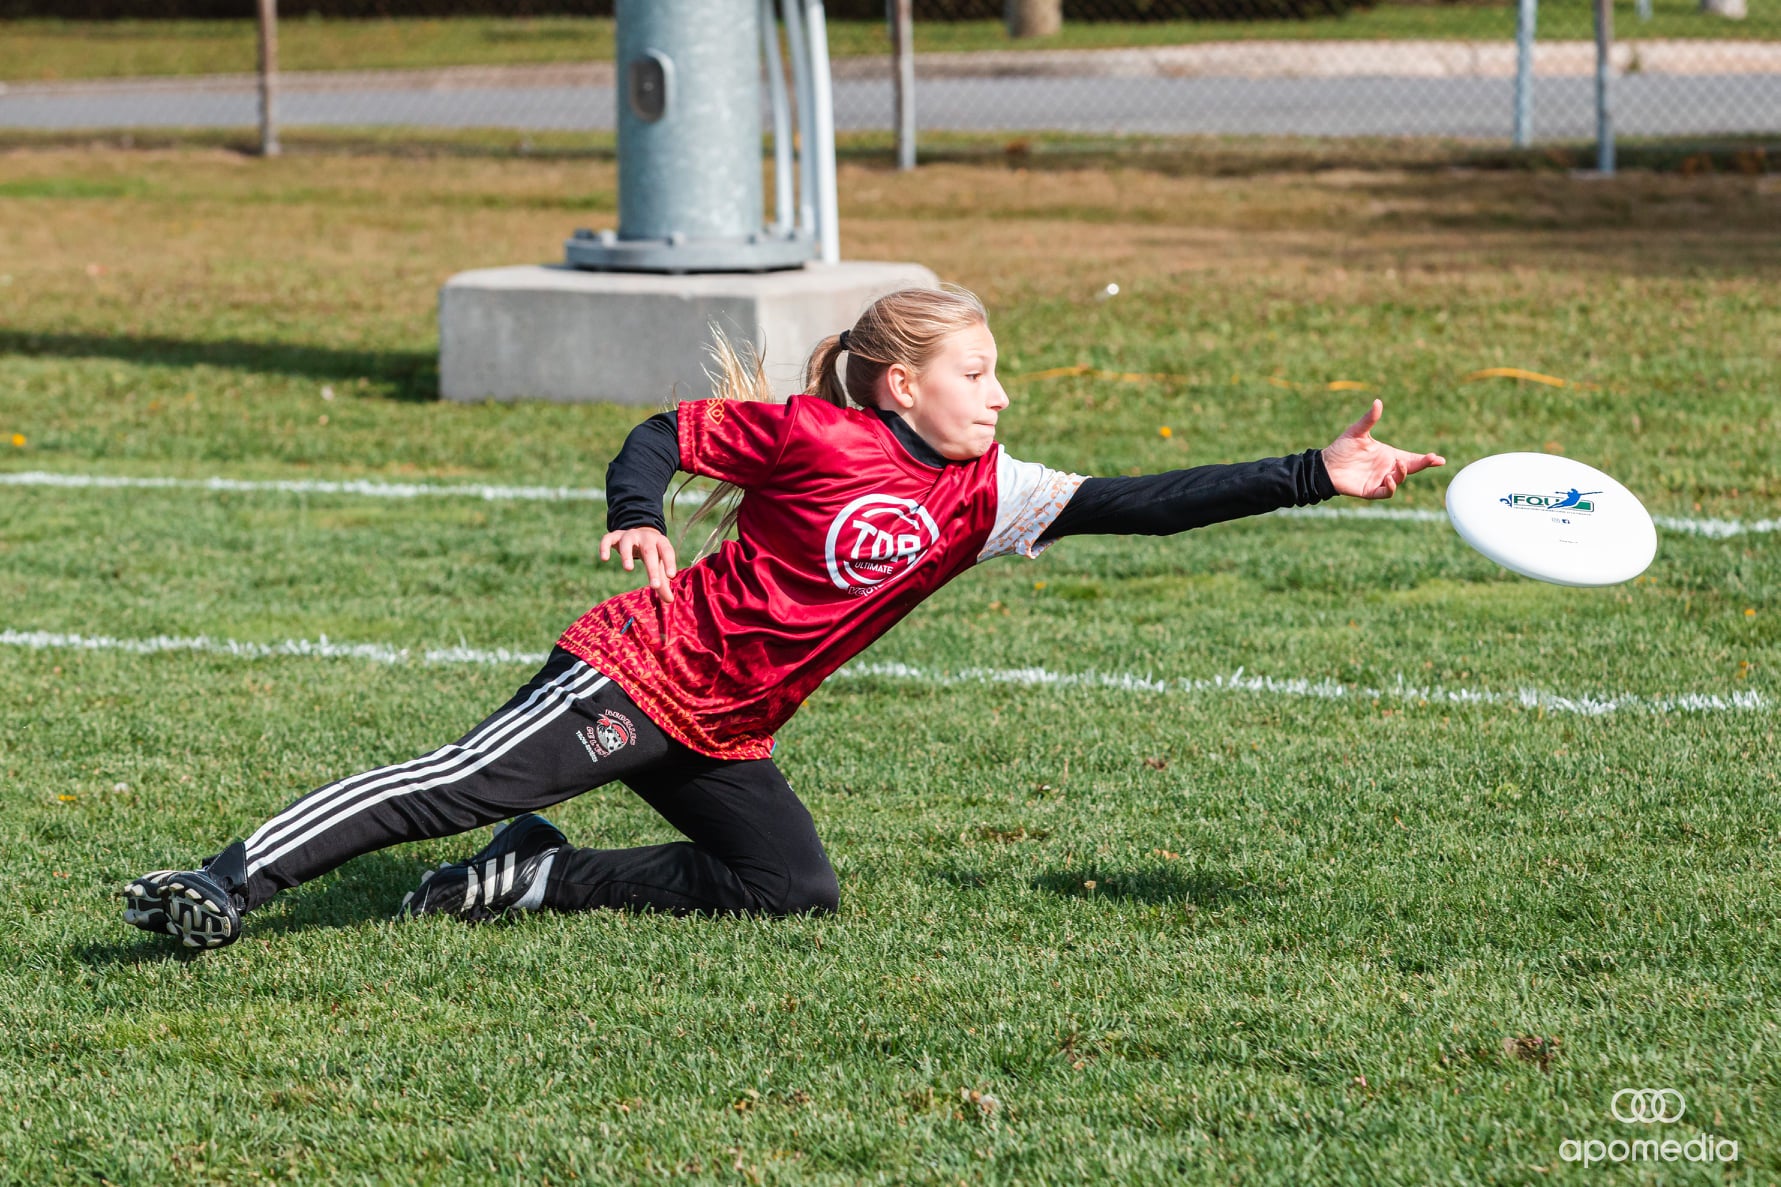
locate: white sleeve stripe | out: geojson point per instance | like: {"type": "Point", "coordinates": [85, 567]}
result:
{"type": "Point", "coordinates": [1029, 498]}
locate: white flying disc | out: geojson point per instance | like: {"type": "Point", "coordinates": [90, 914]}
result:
{"type": "Point", "coordinates": [1552, 519]}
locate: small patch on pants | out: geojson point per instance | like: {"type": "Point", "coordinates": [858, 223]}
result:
{"type": "Point", "coordinates": [611, 732]}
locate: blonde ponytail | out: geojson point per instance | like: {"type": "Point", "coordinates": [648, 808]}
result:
{"type": "Point", "coordinates": [822, 374]}
{"type": "Point", "coordinates": [733, 377]}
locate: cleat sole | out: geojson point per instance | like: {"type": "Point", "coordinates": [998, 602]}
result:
{"type": "Point", "coordinates": [167, 904]}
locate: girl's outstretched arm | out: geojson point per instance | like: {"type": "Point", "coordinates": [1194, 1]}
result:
{"type": "Point", "coordinates": [1175, 501]}
{"type": "Point", "coordinates": [636, 481]}
{"type": "Point", "coordinates": [1163, 504]}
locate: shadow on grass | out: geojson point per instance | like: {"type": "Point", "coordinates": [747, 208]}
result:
{"type": "Point", "coordinates": [1176, 156]}
{"type": "Point", "coordinates": [135, 950]}
{"type": "Point", "coordinates": [1204, 889]}
{"type": "Point", "coordinates": [411, 376]}
{"type": "Point", "coordinates": [367, 889]}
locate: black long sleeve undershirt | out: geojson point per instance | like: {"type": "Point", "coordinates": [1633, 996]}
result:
{"type": "Point", "coordinates": [1163, 504]}
{"type": "Point", "coordinates": [639, 476]}
{"type": "Point", "coordinates": [1149, 505]}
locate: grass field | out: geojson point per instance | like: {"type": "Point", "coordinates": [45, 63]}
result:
{"type": "Point", "coordinates": [47, 50]}
{"type": "Point", "coordinates": [1214, 931]}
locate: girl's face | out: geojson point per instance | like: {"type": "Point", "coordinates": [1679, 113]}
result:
{"type": "Point", "coordinates": [955, 400]}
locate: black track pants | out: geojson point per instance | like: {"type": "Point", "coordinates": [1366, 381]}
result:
{"type": "Point", "coordinates": [751, 845]}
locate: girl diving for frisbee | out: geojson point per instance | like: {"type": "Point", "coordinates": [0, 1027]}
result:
{"type": "Point", "coordinates": [858, 500]}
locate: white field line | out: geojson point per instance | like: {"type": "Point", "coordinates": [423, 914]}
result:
{"type": "Point", "coordinates": [1712, 529]}
{"type": "Point", "coordinates": [309, 486]}
{"type": "Point", "coordinates": [322, 648]}
{"type": "Point", "coordinates": [1400, 691]}
{"type": "Point", "coordinates": [1715, 529]}
{"type": "Point", "coordinates": [316, 486]}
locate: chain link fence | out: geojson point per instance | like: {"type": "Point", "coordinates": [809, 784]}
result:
{"type": "Point", "coordinates": [1098, 68]}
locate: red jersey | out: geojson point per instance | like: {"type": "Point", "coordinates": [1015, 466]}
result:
{"type": "Point", "coordinates": [841, 533]}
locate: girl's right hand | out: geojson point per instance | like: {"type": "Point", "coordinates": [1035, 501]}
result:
{"type": "Point", "coordinates": [653, 547]}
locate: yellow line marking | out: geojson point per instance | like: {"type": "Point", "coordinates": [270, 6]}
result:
{"type": "Point", "coordinates": [1518, 373]}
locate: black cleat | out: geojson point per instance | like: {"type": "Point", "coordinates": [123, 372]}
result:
{"type": "Point", "coordinates": [199, 908]}
{"type": "Point", "coordinates": [507, 875]}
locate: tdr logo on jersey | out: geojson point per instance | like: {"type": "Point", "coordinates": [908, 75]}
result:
{"type": "Point", "coordinates": [876, 537]}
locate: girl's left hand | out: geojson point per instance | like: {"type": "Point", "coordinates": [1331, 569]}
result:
{"type": "Point", "coordinates": [655, 550]}
{"type": "Point", "coordinates": [1369, 469]}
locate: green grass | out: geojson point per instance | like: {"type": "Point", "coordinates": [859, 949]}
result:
{"type": "Point", "coordinates": [1163, 937]}
{"type": "Point", "coordinates": [47, 50]}
{"type": "Point", "coordinates": [1195, 156]}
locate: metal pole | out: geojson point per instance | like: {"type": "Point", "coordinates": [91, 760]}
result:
{"type": "Point", "coordinates": [783, 199]}
{"type": "Point", "coordinates": [1524, 72]}
{"type": "Point", "coordinates": [268, 78]}
{"type": "Point", "coordinates": [690, 186]}
{"type": "Point", "coordinates": [1604, 115]}
{"type": "Point", "coordinates": [822, 127]}
{"type": "Point", "coordinates": [903, 58]}
{"type": "Point", "coordinates": [800, 51]}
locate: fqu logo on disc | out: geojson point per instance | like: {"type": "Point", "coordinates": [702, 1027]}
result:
{"type": "Point", "coordinates": [875, 538]}
{"type": "Point", "coordinates": [1564, 500]}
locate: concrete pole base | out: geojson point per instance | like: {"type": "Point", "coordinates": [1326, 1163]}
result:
{"type": "Point", "coordinates": [537, 332]}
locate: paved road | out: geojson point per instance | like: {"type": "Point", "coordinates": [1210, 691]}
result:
{"type": "Point", "coordinates": [1470, 107]}
{"type": "Point", "coordinates": [1646, 105]}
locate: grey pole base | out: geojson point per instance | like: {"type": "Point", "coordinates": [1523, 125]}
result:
{"type": "Point", "coordinates": [680, 254]}
{"type": "Point", "coordinates": [553, 333]}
